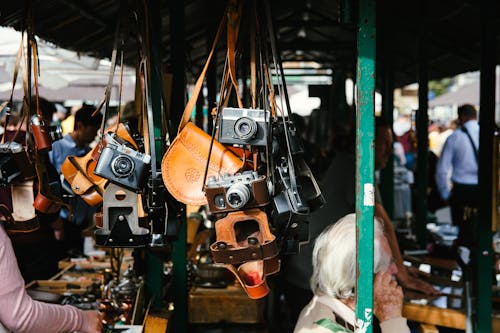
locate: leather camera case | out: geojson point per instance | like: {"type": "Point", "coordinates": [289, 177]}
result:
{"type": "Point", "coordinates": [183, 165]}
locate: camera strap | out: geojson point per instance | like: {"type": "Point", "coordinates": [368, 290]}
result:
{"type": "Point", "coordinates": [291, 188]}
{"type": "Point", "coordinates": [9, 104]}
{"type": "Point", "coordinates": [107, 92]}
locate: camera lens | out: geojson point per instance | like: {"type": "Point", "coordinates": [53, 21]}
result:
{"type": "Point", "coordinates": [237, 195]}
{"type": "Point", "coordinates": [122, 166]}
{"type": "Point", "coordinates": [219, 201]}
{"type": "Point", "coordinates": [245, 128]}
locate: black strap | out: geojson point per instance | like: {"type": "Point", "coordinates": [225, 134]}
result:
{"type": "Point", "coordinates": [476, 153]}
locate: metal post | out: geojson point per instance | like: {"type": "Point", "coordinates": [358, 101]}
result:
{"type": "Point", "coordinates": [154, 264]}
{"type": "Point", "coordinates": [365, 162]}
{"type": "Point", "coordinates": [422, 120]}
{"type": "Point", "coordinates": [177, 22]}
{"type": "Point", "coordinates": [483, 279]}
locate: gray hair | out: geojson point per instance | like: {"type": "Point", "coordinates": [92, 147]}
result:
{"type": "Point", "coordinates": [334, 258]}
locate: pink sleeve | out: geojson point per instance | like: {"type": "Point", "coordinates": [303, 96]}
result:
{"type": "Point", "coordinates": [19, 312]}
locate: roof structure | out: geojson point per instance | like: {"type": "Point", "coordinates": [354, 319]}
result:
{"type": "Point", "coordinates": [308, 30]}
{"type": "Point", "coordinates": [466, 94]}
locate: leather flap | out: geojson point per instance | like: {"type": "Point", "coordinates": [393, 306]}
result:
{"type": "Point", "coordinates": [81, 184]}
{"type": "Point", "coordinates": [183, 165]}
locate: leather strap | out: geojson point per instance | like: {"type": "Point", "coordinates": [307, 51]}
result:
{"type": "Point", "coordinates": [476, 153]}
{"type": "Point", "coordinates": [232, 255]}
{"type": "Point", "coordinates": [199, 83]}
{"type": "Point", "coordinates": [233, 27]}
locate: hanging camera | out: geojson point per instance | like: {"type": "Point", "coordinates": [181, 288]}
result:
{"type": "Point", "coordinates": [279, 138]}
{"type": "Point", "coordinates": [40, 134]}
{"type": "Point", "coordinates": [295, 235]}
{"type": "Point", "coordinates": [231, 193]}
{"type": "Point", "coordinates": [14, 163]}
{"type": "Point", "coordinates": [288, 201]}
{"type": "Point", "coordinates": [121, 164]}
{"type": "Point", "coordinates": [244, 126]}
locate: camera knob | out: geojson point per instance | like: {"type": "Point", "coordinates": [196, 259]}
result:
{"type": "Point", "coordinates": [222, 246]}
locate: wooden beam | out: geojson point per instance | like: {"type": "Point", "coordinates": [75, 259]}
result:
{"type": "Point", "coordinates": [435, 316]}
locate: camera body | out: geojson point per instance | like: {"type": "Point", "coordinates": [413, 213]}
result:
{"type": "Point", "coordinates": [244, 126]}
{"type": "Point", "coordinates": [14, 163]}
{"type": "Point", "coordinates": [232, 193]}
{"type": "Point", "coordinates": [121, 164]}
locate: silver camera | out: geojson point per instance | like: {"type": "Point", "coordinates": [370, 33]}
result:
{"type": "Point", "coordinates": [230, 193]}
{"type": "Point", "coordinates": [121, 164]}
{"type": "Point", "coordinates": [244, 126]}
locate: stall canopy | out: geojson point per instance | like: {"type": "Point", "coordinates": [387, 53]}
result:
{"type": "Point", "coordinates": [64, 75]}
{"type": "Point", "coordinates": [317, 30]}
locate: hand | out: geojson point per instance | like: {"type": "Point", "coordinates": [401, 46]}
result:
{"type": "Point", "coordinates": [93, 322]}
{"type": "Point", "coordinates": [387, 297]}
{"type": "Point", "coordinates": [412, 282]}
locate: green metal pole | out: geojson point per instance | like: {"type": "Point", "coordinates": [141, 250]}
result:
{"type": "Point", "coordinates": [154, 264]}
{"type": "Point", "coordinates": [483, 278]}
{"type": "Point", "coordinates": [365, 162]}
{"type": "Point", "coordinates": [422, 120]}
{"type": "Point", "coordinates": [177, 33]}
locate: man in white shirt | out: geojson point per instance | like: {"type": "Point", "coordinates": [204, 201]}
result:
{"type": "Point", "coordinates": [460, 158]}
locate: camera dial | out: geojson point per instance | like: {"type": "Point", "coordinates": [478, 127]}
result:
{"type": "Point", "coordinates": [237, 195]}
{"type": "Point", "coordinates": [245, 128]}
{"type": "Point", "coordinates": [122, 166]}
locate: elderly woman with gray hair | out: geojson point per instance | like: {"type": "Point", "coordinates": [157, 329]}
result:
{"type": "Point", "coordinates": [334, 281]}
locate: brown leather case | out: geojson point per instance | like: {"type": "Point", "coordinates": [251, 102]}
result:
{"type": "Point", "coordinates": [183, 165]}
{"type": "Point", "coordinates": [228, 250]}
{"type": "Point", "coordinates": [79, 173]}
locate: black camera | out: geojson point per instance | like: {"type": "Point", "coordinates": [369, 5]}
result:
{"type": "Point", "coordinates": [231, 193]}
{"type": "Point", "coordinates": [281, 130]}
{"type": "Point", "coordinates": [295, 235]}
{"type": "Point", "coordinates": [244, 126]}
{"type": "Point", "coordinates": [121, 164]}
{"type": "Point", "coordinates": [14, 163]}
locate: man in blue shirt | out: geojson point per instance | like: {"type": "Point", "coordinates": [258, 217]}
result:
{"type": "Point", "coordinates": [460, 158]}
{"type": "Point", "coordinates": [76, 143]}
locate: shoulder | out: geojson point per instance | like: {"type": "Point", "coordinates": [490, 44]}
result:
{"type": "Point", "coordinates": [318, 318]}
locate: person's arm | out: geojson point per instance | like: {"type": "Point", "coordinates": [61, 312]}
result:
{"type": "Point", "coordinates": [388, 304]}
{"type": "Point", "coordinates": [443, 167]}
{"type": "Point", "coordinates": [21, 314]}
{"type": "Point", "coordinates": [404, 278]}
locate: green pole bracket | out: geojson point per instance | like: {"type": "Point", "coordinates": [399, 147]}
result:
{"type": "Point", "coordinates": [365, 162]}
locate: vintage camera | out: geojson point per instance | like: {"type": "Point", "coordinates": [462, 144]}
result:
{"type": "Point", "coordinates": [296, 235]}
{"type": "Point", "coordinates": [15, 164]}
{"type": "Point", "coordinates": [231, 193]}
{"type": "Point", "coordinates": [281, 129]}
{"type": "Point", "coordinates": [55, 132]}
{"type": "Point", "coordinates": [244, 126]}
{"type": "Point", "coordinates": [40, 134]}
{"type": "Point", "coordinates": [121, 164]}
